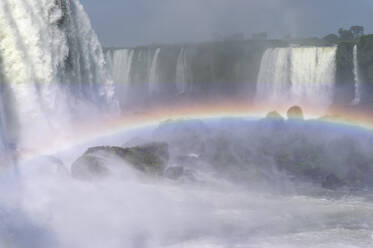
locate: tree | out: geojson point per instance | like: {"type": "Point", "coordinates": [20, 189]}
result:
{"type": "Point", "coordinates": [331, 38]}
{"type": "Point", "coordinates": [357, 32]}
{"type": "Point", "coordinates": [345, 35]}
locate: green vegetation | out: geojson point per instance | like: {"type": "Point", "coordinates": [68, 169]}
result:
{"type": "Point", "coordinates": [365, 57]}
{"type": "Point", "coordinates": [331, 39]}
{"type": "Point", "coordinates": [344, 60]}
{"type": "Point", "coordinates": [237, 61]}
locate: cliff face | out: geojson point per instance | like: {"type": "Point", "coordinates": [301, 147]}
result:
{"type": "Point", "coordinates": [365, 58]}
{"type": "Point", "coordinates": [193, 69]}
{"type": "Point", "coordinates": [365, 47]}
{"type": "Point", "coordinates": [225, 68]}
{"type": "Point", "coordinates": [344, 92]}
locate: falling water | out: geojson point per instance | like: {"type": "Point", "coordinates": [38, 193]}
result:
{"type": "Point", "coordinates": [121, 63]}
{"type": "Point", "coordinates": [153, 76]}
{"type": "Point", "coordinates": [180, 72]}
{"type": "Point", "coordinates": [52, 63]}
{"type": "Point", "coordinates": [356, 77]}
{"type": "Point", "coordinates": [120, 67]}
{"type": "Point", "coordinates": [303, 76]}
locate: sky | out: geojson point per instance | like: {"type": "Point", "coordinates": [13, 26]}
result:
{"type": "Point", "coordinates": [142, 22]}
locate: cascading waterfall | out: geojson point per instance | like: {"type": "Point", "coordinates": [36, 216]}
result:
{"type": "Point", "coordinates": [121, 63]}
{"type": "Point", "coordinates": [303, 76]}
{"type": "Point", "coordinates": [181, 72]}
{"type": "Point", "coordinates": [356, 77]}
{"type": "Point", "coordinates": [52, 63]}
{"type": "Point", "coordinates": [144, 67]}
{"type": "Point", "coordinates": [154, 86]}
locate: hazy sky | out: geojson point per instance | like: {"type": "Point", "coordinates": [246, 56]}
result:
{"type": "Point", "coordinates": [135, 22]}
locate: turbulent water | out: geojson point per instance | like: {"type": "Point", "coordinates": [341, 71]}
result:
{"type": "Point", "coordinates": [51, 67]}
{"type": "Point", "coordinates": [239, 183]}
{"type": "Point", "coordinates": [303, 76]}
{"type": "Point", "coordinates": [356, 77]}
{"type": "Point", "coordinates": [231, 193]}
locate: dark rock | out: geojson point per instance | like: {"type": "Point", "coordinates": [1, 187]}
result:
{"type": "Point", "coordinates": [274, 115]}
{"type": "Point", "coordinates": [102, 161]}
{"type": "Point", "coordinates": [295, 112]}
{"type": "Point", "coordinates": [174, 172]}
{"type": "Point", "coordinates": [272, 122]}
{"type": "Point", "coordinates": [332, 182]}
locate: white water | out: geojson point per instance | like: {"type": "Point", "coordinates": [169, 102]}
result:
{"type": "Point", "coordinates": [51, 209]}
{"type": "Point", "coordinates": [121, 64]}
{"type": "Point", "coordinates": [181, 83]}
{"type": "Point", "coordinates": [145, 68]}
{"type": "Point", "coordinates": [356, 77]}
{"type": "Point", "coordinates": [154, 86]}
{"type": "Point", "coordinates": [263, 210]}
{"type": "Point", "coordinates": [52, 62]}
{"type": "Point", "coordinates": [302, 76]}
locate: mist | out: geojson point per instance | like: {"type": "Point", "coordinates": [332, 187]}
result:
{"type": "Point", "coordinates": [231, 186]}
{"type": "Point", "coordinates": [132, 23]}
{"type": "Point", "coordinates": [235, 142]}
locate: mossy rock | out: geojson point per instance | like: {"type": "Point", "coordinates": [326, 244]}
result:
{"type": "Point", "coordinates": [103, 161]}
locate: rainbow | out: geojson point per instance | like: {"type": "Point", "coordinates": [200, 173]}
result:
{"type": "Point", "coordinates": [86, 132]}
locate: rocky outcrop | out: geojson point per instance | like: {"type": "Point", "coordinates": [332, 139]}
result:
{"type": "Point", "coordinates": [274, 115]}
{"type": "Point", "coordinates": [174, 172]}
{"type": "Point", "coordinates": [295, 113]}
{"type": "Point", "coordinates": [103, 161]}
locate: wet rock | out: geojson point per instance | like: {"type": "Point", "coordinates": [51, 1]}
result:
{"type": "Point", "coordinates": [174, 173]}
{"type": "Point", "coordinates": [274, 115]}
{"type": "Point", "coordinates": [332, 182]}
{"type": "Point", "coordinates": [102, 161]}
{"type": "Point", "coordinates": [295, 113]}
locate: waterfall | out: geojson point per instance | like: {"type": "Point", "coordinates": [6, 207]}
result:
{"type": "Point", "coordinates": [356, 77]}
{"type": "Point", "coordinates": [181, 72]}
{"type": "Point", "coordinates": [121, 63]}
{"type": "Point", "coordinates": [154, 86]}
{"type": "Point", "coordinates": [273, 79]}
{"type": "Point", "coordinates": [51, 63]}
{"type": "Point", "coordinates": [304, 76]}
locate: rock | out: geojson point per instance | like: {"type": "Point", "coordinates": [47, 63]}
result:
{"type": "Point", "coordinates": [274, 115]}
{"type": "Point", "coordinates": [272, 122]}
{"type": "Point", "coordinates": [296, 113]}
{"type": "Point", "coordinates": [332, 182]}
{"type": "Point", "coordinates": [136, 141]}
{"type": "Point", "coordinates": [174, 172]}
{"type": "Point", "coordinates": [103, 161]}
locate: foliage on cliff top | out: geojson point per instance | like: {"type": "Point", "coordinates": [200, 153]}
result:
{"type": "Point", "coordinates": [365, 57]}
